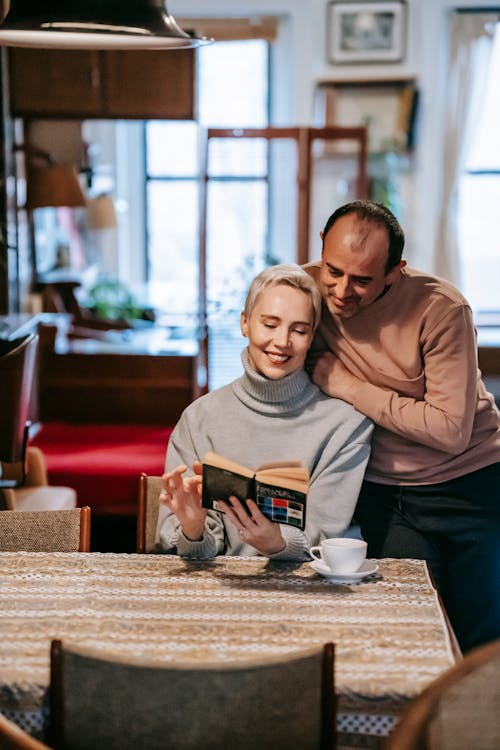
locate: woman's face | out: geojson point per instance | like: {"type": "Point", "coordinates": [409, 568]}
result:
{"type": "Point", "coordinates": [279, 330]}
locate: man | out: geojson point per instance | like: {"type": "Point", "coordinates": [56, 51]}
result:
{"type": "Point", "coordinates": [400, 346]}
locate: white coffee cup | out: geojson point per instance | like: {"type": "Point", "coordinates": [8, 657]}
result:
{"type": "Point", "coordinates": [341, 554]}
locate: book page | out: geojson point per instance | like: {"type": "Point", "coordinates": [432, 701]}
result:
{"type": "Point", "coordinates": [298, 476]}
{"type": "Point", "coordinates": [213, 459]}
{"type": "Point", "coordinates": [278, 465]}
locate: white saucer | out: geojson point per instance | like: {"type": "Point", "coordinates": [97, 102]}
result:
{"type": "Point", "coordinates": [367, 569]}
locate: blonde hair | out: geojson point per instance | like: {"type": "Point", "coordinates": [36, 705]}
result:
{"type": "Point", "coordinates": [289, 275]}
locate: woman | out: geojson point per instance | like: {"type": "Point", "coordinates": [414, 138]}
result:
{"type": "Point", "coordinates": [272, 413]}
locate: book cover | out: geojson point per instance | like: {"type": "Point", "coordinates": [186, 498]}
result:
{"type": "Point", "coordinates": [279, 489]}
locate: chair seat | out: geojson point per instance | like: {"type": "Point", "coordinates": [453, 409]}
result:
{"type": "Point", "coordinates": [41, 498]}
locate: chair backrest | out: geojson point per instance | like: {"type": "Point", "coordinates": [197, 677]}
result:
{"type": "Point", "coordinates": [45, 530]}
{"type": "Point", "coordinates": [458, 711]}
{"type": "Point", "coordinates": [17, 374]}
{"type": "Point", "coordinates": [61, 297]}
{"type": "Point", "coordinates": [14, 738]}
{"type": "Point", "coordinates": [147, 518]}
{"type": "Point", "coordinates": [18, 363]}
{"type": "Point", "coordinates": [100, 701]}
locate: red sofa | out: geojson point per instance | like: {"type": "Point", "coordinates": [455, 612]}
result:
{"type": "Point", "coordinates": [103, 462]}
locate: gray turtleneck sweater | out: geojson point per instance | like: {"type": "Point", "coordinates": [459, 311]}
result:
{"type": "Point", "coordinates": [255, 420]}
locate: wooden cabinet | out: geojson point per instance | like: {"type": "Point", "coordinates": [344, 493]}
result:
{"type": "Point", "coordinates": [54, 82]}
{"type": "Point", "coordinates": [115, 388]}
{"type": "Point", "coordinates": [102, 84]}
{"type": "Point", "coordinates": [154, 84]}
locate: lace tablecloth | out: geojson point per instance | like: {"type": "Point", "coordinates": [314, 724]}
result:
{"type": "Point", "coordinates": [389, 631]}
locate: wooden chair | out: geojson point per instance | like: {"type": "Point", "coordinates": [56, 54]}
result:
{"type": "Point", "coordinates": [60, 297]}
{"type": "Point", "coordinates": [98, 701]}
{"type": "Point", "coordinates": [35, 493]}
{"type": "Point", "coordinates": [45, 530]}
{"type": "Point", "coordinates": [147, 517]}
{"type": "Point", "coordinates": [14, 738]}
{"type": "Point", "coordinates": [23, 479]}
{"type": "Point", "coordinates": [458, 711]}
{"type": "Point", "coordinates": [17, 377]}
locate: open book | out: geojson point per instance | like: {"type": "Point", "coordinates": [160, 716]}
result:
{"type": "Point", "coordinates": [279, 489]}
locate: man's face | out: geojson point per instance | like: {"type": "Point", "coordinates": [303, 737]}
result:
{"type": "Point", "coordinates": [353, 265]}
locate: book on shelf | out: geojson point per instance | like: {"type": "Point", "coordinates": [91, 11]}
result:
{"type": "Point", "coordinates": [279, 489]}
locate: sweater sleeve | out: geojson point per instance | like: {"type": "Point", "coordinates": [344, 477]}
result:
{"type": "Point", "coordinates": [169, 537]}
{"type": "Point", "coordinates": [443, 418]}
{"type": "Point", "coordinates": [336, 481]}
{"type": "Point", "coordinates": [296, 545]}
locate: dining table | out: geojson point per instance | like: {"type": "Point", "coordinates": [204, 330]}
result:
{"type": "Point", "coordinates": [391, 634]}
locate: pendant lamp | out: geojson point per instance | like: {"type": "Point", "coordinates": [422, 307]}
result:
{"type": "Point", "coordinates": [93, 24]}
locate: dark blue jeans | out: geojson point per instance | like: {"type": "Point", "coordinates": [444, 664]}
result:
{"type": "Point", "coordinates": [455, 527]}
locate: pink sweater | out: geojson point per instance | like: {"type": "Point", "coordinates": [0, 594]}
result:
{"type": "Point", "coordinates": [415, 351]}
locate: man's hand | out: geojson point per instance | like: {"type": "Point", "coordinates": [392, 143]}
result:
{"type": "Point", "coordinates": [334, 379]}
{"type": "Point", "coordinates": [254, 529]}
{"type": "Point", "coordinates": [182, 495]}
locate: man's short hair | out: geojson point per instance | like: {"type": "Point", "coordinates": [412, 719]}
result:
{"type": "Point", "coordinates": [375, 213]}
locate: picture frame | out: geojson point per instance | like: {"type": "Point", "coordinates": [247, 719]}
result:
{"type": "Point", "coordinates": [387, 107]}
{"type": "Point", "coordinates": [366, 32]}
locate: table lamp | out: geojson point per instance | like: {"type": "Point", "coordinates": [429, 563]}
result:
{"type": "Point", "coordinates": [53, 185]}
{"type": "Point", "coordinates": [49, 184]}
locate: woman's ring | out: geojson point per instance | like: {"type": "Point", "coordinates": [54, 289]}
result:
{"type": "Point", "coordinates": [242, 532]}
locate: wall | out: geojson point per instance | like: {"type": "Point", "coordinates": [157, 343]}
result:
{"type": "Point", "coordinates": [301, 54]}
{"type": "Point", "coordinates": [300, 60]}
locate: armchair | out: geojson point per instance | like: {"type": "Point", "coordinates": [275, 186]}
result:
{"type": "Point", "coordinates": [35, 493]}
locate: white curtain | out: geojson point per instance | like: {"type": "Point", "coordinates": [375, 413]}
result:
{"type": "Point", "coordinates": [471, 43]}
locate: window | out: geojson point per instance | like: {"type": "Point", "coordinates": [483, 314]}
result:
{"type": "Point", "coordinates": [233, 91]}
{"type": "Point", "coordinates": [479, 201]}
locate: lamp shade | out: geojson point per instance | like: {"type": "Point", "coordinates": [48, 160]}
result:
{"type": "Point", "coordinates": [53, 185]}
{"type": "Point", "coordinates": [93, 24]}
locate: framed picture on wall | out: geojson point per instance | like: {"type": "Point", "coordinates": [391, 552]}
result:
{"type": "Point", "coordinates": [366, 32]}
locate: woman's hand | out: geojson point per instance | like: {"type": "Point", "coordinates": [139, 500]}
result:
{"type": "Point", "coordinates": [182, 495]}
{"type": "Point", "coordinates": [254, 529]}
{"type": "Point", "coordinates": [334, 378]}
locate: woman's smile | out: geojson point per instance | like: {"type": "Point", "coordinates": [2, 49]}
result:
{"type": "Point", "coordinates": [279, 330]}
